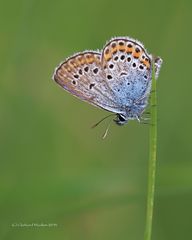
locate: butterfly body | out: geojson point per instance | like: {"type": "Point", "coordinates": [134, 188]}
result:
{"type": "Point", "coordinates": [117, 79]}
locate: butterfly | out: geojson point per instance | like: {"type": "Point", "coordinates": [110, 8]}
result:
{"type": "Point", "coordinates": [118, 78]}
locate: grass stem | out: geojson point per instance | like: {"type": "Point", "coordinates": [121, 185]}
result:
{"type": "Point", "coordinates": [152, 159]}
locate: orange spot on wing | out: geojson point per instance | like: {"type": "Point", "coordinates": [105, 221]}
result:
{"type": "Point", "coordinates": [107, 54]}
{"type": "Point", "coordinates": [107, 57]}
{"type": "Point", "coordinates": [146, 63]}
{"type": "Point", "coordinates": [82, 61]}
{"type": "Point", "coordinates": [129, 50]}
{"type": "Point", "coordinates": [136, 55]}
{"type": "Point", "coordinates": [71, 64]}
{"type": "Point", "coordinates": [68, 68]}
{"type": "Point", "coordinates": [121, 48]}
{"type": "Point", "coordinates": [79, 60]}
{"type": "Point", "coordinates": [114, 50]}
{"type": "Point", "coordinates": [87, 58]}
{"type": "Point", "coordinates": [96, 59]}
{"type": "Point", "coordinates": [90, 59]}
{"type": "Point", "coordinates": [61, 73]}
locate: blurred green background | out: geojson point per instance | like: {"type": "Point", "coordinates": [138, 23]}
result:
{"type": "Point", "coordinates": [54, 169]}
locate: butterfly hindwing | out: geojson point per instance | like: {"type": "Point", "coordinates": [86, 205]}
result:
{"type": "Point", "coordinates": [128, 69]}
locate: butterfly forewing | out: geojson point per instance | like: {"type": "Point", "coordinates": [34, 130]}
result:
{"type": "Point", "coordinates": [83, 76]}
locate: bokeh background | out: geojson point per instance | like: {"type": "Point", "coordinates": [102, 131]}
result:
{"type": "Point", "coordinates": [54, 169]}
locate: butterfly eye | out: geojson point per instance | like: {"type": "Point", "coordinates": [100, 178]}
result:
{"type": "Point", "coordinates": [121, 118]}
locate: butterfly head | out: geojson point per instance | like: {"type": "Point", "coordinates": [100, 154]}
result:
{"type": "Point", "coordinates": [120, 119]}
{"type": "Point", "coordinates": [131, 112]}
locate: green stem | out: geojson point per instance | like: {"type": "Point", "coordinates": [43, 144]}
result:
{"type": "Point", "coordinates": [152, 159]}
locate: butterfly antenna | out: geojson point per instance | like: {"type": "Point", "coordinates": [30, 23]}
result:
{"type": "Point", "coordinates": [107, 130]}
{"type": "Point", "coordinates": [95, 125]}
